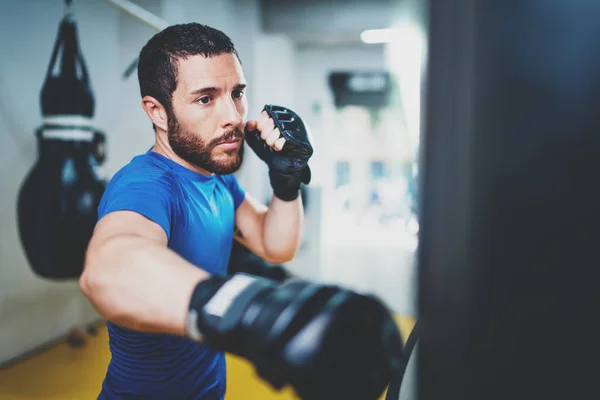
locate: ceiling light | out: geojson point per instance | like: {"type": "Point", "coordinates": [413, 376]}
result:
{"type": "Point", "coordinates": [372, 36]}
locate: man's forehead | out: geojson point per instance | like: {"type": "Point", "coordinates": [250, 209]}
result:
{"type": "Point", "coordinates": [197, 69]}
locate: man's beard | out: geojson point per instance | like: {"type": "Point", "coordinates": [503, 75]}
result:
{"type": "Point", "coordinates": [196, 151]}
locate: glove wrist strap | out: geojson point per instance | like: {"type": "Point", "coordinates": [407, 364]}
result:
{"type": "Point", "coordinates": [202, 293]}
{"type": "Point", "coordinates": [285, 187]}
{"type": "Point", "coordinates": [216, 309]}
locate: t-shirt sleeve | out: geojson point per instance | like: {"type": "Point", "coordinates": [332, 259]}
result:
{"type": "Point", "coordinates": [149, 197]}
{"type": "Point", "coordinates": [238, 193]}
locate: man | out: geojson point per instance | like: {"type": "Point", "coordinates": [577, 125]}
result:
{"type": "Point", "coordinates": [156, 266]}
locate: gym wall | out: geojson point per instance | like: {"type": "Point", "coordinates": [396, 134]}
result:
{"type": "Point", "coordinates": [33, 311]}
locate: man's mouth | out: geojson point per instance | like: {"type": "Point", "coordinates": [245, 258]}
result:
{"type": "Point", "coordinates": [230, 144]}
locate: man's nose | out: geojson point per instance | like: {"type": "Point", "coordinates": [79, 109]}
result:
{"type": "Point", "coordinates": [231, 115]}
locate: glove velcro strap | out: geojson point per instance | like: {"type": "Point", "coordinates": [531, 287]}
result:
{"type": "Point", "coordinates": [217, 307]}
{"type": "Point", "coordinates": [285, 186]}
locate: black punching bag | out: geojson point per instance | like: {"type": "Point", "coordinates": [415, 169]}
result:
{"type": "Point", "coordinates": [58, 201]}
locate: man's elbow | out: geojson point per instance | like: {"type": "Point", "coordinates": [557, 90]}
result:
{"type": "Point", "coordinates": [281, 257]}
{"type": "Point", "coordinates": [94, 284]}
{"type": "Point", "coordinates": [86, 280]}
{"type": "Point", "coordinates": [84, 285]}
{"type": "Point", "coordinates": [89, 285]}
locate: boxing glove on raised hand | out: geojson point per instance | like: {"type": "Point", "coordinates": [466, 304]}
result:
{"type": "Point", "coordinates": [324, 341]}
{"type": "Point", "coordinates": [288, 168]}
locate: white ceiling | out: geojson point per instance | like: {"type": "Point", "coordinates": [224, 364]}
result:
{"type": "Point", "coordinates": [325, 21]}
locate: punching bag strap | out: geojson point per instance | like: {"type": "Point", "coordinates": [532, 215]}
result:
{"type": "Point", "coordinates": [54, 53]}
{"type": "Point", "coordinates": [67, 37]}
{"type": "Point", "coordinates": [394, 389]}
{"type": "Point", "coordinates": [67, 90]}
{"type": "Point", "coordinates": [77, 50]}
{"type": "Point", "coordinates": [68, 8]}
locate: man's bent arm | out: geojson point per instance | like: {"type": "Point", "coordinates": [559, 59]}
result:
{"type": "Point", "coordinates": [283, 228]}
{"type": "Point", "coordinates": [134, 280]}
{"type": "Point", "coordinates": [273, 233]}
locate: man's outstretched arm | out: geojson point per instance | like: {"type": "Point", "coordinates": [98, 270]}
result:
{"type": "Point", "coordinates": [290, 331]}
{"type": "Point", "coordinates": [133, 279]}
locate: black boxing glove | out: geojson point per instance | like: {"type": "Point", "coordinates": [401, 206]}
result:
{"type": "Point", "coordinates": [288, 168]}
{"type": "Point", "coordinates": [324, 341]}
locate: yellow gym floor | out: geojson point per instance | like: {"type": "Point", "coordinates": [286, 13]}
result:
{"type": "Point", "coordinates": [67, 373]}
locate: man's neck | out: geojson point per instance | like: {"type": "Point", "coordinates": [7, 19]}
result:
{"type": "Point", "coordinates": [161, 146]}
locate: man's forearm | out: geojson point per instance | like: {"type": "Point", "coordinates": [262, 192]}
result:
{"type": "Point", "coordinates": [139, 285]}
{"type": "Point", "coordinates": [283, 229]}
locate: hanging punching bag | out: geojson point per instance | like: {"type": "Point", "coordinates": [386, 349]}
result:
{"type": "Point", "coordinates": [58, 201]}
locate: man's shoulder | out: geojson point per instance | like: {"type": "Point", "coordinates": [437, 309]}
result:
{"type": "Point", "coordinates": [143, 169]}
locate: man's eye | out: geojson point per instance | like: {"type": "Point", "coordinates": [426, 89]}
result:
{"type": "Point", "coordinates": [204, 100]}
{"type": "Point", "coordinates": [238, 94]}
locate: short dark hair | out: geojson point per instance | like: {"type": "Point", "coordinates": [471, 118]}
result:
{"type": "Point", "coordinates": [158, 60]}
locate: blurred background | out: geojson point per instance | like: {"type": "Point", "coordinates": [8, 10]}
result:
{"type": "Point", "coordinates": [352, 69]}
{"type": "Point", "coordinates": [504, 232]}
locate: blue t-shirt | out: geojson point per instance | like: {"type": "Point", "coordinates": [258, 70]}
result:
{"type": "Point", "coordinates": [197, 214]}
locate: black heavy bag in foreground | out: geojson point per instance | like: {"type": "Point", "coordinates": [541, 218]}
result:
{"type": "Point", "coordinates": [324, 341]}
{"type": "Point", "coordinates": [57, 204]}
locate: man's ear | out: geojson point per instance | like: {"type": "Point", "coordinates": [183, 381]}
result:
{"type": "Point", "coordinates": [156, 112]}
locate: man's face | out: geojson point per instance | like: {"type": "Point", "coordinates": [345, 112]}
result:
{"type": "Point", "coordinates": [209, 110]}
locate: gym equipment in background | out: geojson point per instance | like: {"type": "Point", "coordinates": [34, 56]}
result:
{"type": "Point", "coordinates": [363, 88]}
{"type": "Point", "coordinates": [58, 201]}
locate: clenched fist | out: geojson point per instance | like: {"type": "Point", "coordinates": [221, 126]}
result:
{"type": "Point", "coordinates": [280, 138]}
